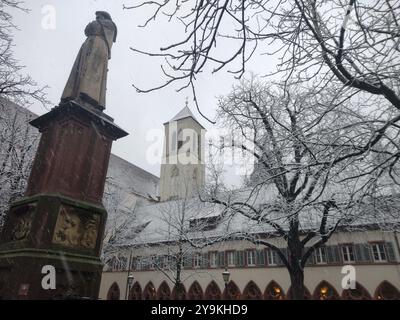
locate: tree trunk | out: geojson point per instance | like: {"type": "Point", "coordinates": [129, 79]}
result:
{"type": "Point", "coordinates": [296, 271]}
{"type": "Point", "coordinates": [297, 283]}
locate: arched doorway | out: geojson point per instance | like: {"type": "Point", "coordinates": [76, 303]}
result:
{"type": "Point", "coordinates": [359, 293]}
{"type": "Point", "coordinates": [274, 292]}
{"type": "Point", "coordinates": [164, 293]}
{"type": "Point", "coordinates": [113, 292]}
{"type": "Point", "coordinates": [387, 291]}
{"type": "Point", "coordinates": [307, 294]}
{"type": "Point", "coordinates": [232, 292]}
{"type": "Point", "coordinates": [195, 292]}
{"type": "Point", "coordinates": [325, 291]}
{"type": "Point", "coordinates": [179, 292]}
{"type": "Point", "coordinates": [251, 292]}
{"type": "Point", "coordinates": [149, 292]}
{"type": "Point", "coordinates": [136, 292]}
{"type": "Point", "coordinates": [212, 292]}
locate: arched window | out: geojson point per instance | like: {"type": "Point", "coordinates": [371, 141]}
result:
{"type": "Point", "coordinates": [232, 292]}
{"type": "Point", "coordinates": [387, 291]}
{"type": "Point", "coordinates": [164, 293]}
{"type": "Point", "coordinates": [195, 292]}
{"type": "Point", "coordinates": [180, 139]}
{"type": "Point", "coordinates": [274, 292]}
{"type": "Point", "coordinates": [179, 292]}
{"type": "Point", "coordinates": [113, 292]}
{"type": "Point", "coordinates": [325, 291]}
{"type": "Point", "coordinates": [251, 292]}
{"type": "Point", "coordinates": [149, 292]}
{"type": "Point", "coordinates": [212, 292]}
{"type": "Point", "coordinates": [307, 294]}
{"type": "Point", "coordinates": [359, 293]}
{"type": "Point", "coordinates": [136, 292]}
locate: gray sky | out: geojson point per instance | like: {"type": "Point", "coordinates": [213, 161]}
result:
{"type": "Point", "coordinates": [48, 55]}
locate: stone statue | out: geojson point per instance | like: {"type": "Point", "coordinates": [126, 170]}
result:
{"type": "Point", "coordinates": [88, 78]}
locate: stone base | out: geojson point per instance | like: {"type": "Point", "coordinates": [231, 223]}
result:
{"type": "Point", "coordinates": [51, 230]}
{"type": "Point", "coordinates": [77, 277]}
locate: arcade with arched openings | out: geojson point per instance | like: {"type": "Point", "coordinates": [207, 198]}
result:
{"type": "Point", "coordinates": [136, 292]}
{"type": "Point", "coordinates": [179, 292]}
{"type": "Point", "coordinates": [114, 292]}
{"type": "Point", "coordinates": [195, 292]}
{"type": "Point", "coordinates": [231, 291]}
{"type": "Point", "coordinates": [163, 292]}
{"type": "Point", "coordinates": [325, 291]}
{"type": "Point", "coordinates": [358, 293]}
{"type": "Point", "coordinates": [274, 291]}
{"type": "Point", "coordinates": [213, 292]}
{"type": "Point", "coordinates": [149, 292]}
{"type": "Point", "coordinates": [252, 292]}
{"type": "Point", "coordinates": [387, 291]}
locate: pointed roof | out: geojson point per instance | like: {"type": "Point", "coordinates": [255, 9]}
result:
{"type": "Point", "coordinates": [184, 113]}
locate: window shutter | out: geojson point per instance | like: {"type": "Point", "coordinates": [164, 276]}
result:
{"type": "Point", "coordinates": [240, 258]}
{"type": "Point", "coordinates": [266, 256]}
{"type": "Point", "coordinates": [390, 252]}
{"type": "Point", "coordinates": [204, 260]}
{"type": "Point", "coordinates": [363, 253]}
{"type": "Point", "coordinates": [234, 259]}
{"type": "Point", "coordinates": [333, 254]}
{"type": "Point", "coordinates": [221, 259]}
{"type": "Point", "coordinates": [260, 258]}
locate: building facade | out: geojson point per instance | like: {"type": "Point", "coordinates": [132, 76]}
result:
{"type": "Point", "coordinates": [258, 273]}
{"type": "Point", "coordinates": [156, 241]}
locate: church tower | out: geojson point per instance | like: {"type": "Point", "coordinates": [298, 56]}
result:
{"type": "Point", "coordinates": [182, 167]}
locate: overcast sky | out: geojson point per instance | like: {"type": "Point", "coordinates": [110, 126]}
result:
{"type": "Point", "coordinates": [48, 55]}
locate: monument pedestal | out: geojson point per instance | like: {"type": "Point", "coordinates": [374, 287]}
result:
{"type": "Point", "coordinates": [61, 221]}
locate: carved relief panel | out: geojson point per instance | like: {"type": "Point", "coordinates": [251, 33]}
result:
{"type": "Point", "coordinates": [22, 218]}
{"type": "Point", "coordinates": [76, 228]}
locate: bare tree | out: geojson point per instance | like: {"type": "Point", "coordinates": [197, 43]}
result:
{"type": "Point", "coordinates": [15, 85]}
{"type": "Point", "coordinates": [308, 185]}
{"type": "Point", "coordinates": [174, 221]}
{"type": "Point", "coordinates": [334, 121]}
{"type": "Point", "coordinates": [121, 213]}
{"type": "Point", "coordinates": [352, 46]}
{"type": "Point", "coordinates": [18, 143]}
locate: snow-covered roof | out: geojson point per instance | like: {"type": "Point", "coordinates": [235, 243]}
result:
{"type": "Point", "coordinates": [132, 178]}
{"type": "Point", "coordinates": [161, 220]}
{"type": "Point", "coordinates": [184, 113]}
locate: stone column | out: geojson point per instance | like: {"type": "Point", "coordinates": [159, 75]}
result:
{"type": "Point", "coordinates": [61, 220]}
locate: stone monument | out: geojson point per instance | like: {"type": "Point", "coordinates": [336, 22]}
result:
{"type": "Point", "coordinates": [59, 224]}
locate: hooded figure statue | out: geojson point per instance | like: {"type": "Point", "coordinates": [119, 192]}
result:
{"type": "Point", "coordinates": [88, 79]}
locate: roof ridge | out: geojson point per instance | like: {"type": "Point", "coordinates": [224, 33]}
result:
{"type": "Point", "coordinates": [184, 113]}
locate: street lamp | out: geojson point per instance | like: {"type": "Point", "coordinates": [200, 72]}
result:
{"type": "Point", "coordinates": [129, 282]}
{"type": "Point", "coordinates": [225, 275]}
{"type": "Point", "coordinates": [130, 279]}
